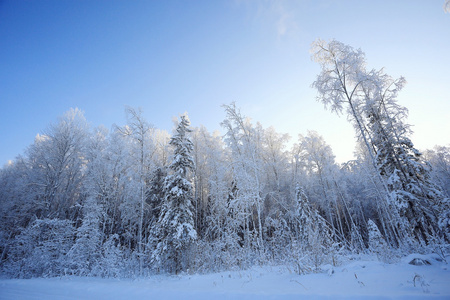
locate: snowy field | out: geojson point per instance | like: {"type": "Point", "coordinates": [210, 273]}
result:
{"type": "Point", "coordinates": [354, 280]}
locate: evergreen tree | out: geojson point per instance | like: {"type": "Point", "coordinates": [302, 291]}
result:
{"type": "Point", "coordinates": [176, 231]}
{"type": "Point", "coordinates": [155, 194]}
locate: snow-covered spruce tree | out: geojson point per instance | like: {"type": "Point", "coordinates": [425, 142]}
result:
{"type": "Point", "coordinates": [176, 232]}
{"type": "Point", "coordinates": [155, 199]}
{"type": "Point", "coordinates": [155, 194]}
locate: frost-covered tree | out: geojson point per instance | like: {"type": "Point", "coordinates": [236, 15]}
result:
{"type": "Point", "coordinates": [340, 87]}
{"type": "Point", "coordinates": [111, 263]}
{"type": "Point", "coordinates": [218, 242]}
{"type": "Point", "coordinates": [278, 236]}
{"type": "Point", "coordinates": [276, 181]}
{"type": "Point", "coordinates": [41, 249]}
{"type": "Point", "coordinates": [308, 218]}
{"type": "Point", "coordinates": [139, 135]}
{"type": "Point", "coordinates": [318, 163]}
{"type": "Point", "coordinates": [314, 236]}
{"type": "Point", "coordinates": [325, 189]}
{"type": "Point", "coordinates": [210, 179]}
{"type": "Point", "coordinates": [377, 243]}
{"type": "Point", "coordinates": [416, 198]}
{"type": "Point", "coordinates": [439, 158]}
{"type": "Point", "coordinates": [176, 232]}
{"type": "Point", "coordinates": [201, 160]}
{"type": "Point", "coordinates": [245, 142]}
{"type": "Point", "coordinates": [370, 99]}
{"type": "Point", "coordinates": [85, 254]}
{"type": "Point", "coordinates": [155, 193]}
{"type": "Point", "coordinates": [155, 200]}
{"type": "Point", "coordinates": [275, 159]}
{"type": "Point", "coordinates": [340, 82]}
{"type": "Point", "coordinates": [15, 204]}
{"type": "Point", "coordinates": [56, 162]}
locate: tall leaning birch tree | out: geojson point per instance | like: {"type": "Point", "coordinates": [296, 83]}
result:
{"type": "Point", "coordinates": [369, 98]}
{"type": "Point", "coordinates": [340, 86]}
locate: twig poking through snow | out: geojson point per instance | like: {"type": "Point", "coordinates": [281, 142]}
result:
{"type": "Point", "coordinates": [419, 279]}
{"type": "Point", "coordinates": [293, 280]}
{"type": "Point", "coordinates": [360, 282]}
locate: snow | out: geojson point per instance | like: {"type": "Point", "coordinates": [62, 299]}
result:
{"type": "Point", "coordinates": [368, 279]}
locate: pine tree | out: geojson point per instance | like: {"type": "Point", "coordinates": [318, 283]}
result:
{"type": "Point", "coordinates": [176, 232]}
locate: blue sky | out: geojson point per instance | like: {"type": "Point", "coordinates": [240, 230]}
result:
{"type": "Point", "coordinates": [168, 57]}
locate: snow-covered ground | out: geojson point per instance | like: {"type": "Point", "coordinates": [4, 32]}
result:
{"type": "Point", "coordinates": [354, 280]}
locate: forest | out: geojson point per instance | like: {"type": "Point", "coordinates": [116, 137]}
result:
{"type": "Point", "coordinates": [135, 201]}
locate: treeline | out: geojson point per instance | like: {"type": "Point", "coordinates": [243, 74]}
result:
{"type": "Point", "coordinates": [135, 201]}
